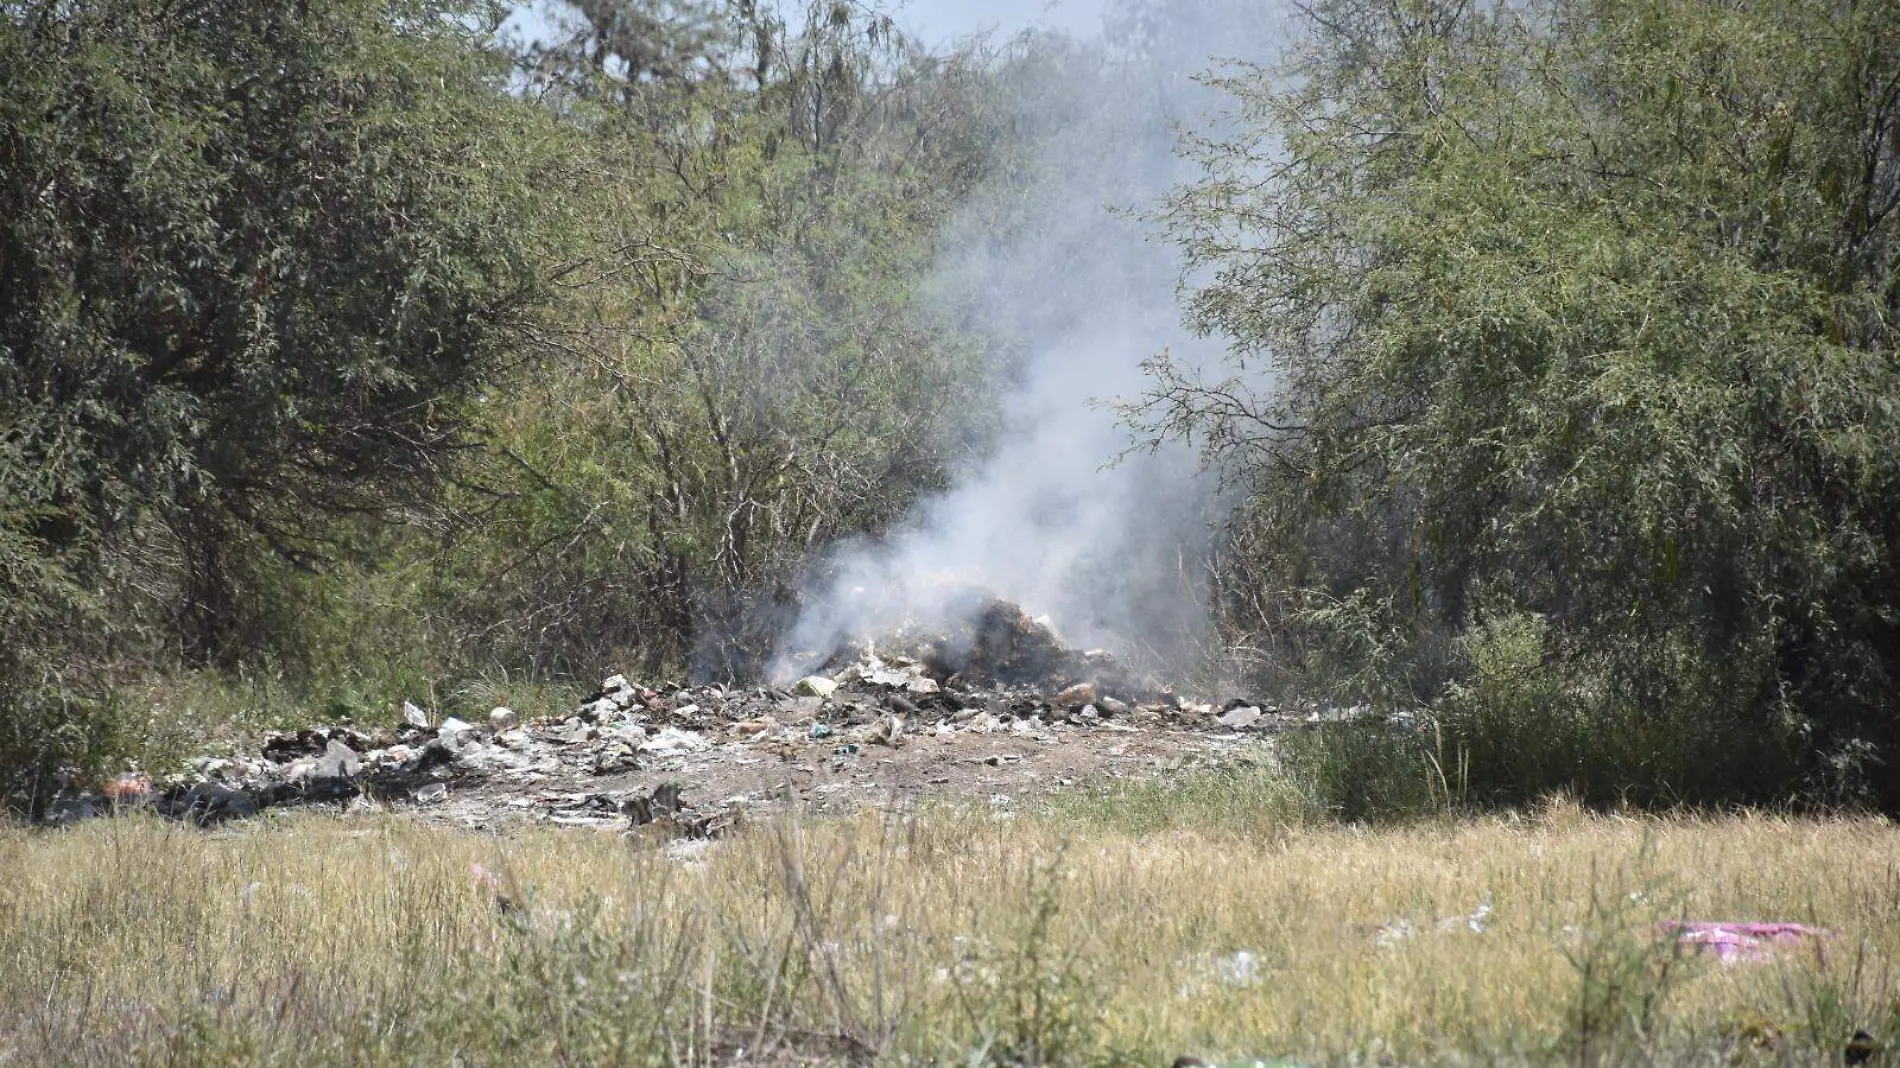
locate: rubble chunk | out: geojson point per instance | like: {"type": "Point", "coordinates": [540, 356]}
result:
{"type": "Point", "coordinates": [889, 731]}
{"type": "Point", "coordinates": [614, 758]}
{"type": "Point", "coordinates": [1082, 693]}
{"type": "Point", "coordinates": [339, 761]}
{"type": "Point", "coordinates": [1239, 718]}
{"type": "Point", "coordinates": [455, 733]}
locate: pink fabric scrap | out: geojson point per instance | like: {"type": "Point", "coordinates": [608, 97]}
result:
{"type": "Point", "coordinates": [1736, 942]}
{"type": "Point", "coordinates": [483, 877]}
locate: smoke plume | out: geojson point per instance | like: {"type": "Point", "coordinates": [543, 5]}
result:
{"type": "Point", "coordinates": [1050, 264]}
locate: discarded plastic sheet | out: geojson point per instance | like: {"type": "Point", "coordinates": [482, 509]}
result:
{"type": "Point", "coordinates": [1734, 943]}
{"type": "Point", "coordinates": [671, 741]}
{"type": "Point", "coordinates": [1249, 1062]}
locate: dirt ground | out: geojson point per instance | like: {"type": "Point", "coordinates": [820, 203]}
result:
{"type": "Point", "coordinates": [1006, 767]}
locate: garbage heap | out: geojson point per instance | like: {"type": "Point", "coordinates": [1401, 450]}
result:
{"type": "Point", "coordinates": [998, 671]}
{"type": "Point", "coordinates": [996, 649]}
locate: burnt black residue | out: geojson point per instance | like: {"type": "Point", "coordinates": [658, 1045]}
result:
{"type": "Point", "coordinates": [210, 804]}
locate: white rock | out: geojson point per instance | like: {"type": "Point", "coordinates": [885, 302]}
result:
{"type": "Point", "coordinates": [1239, 718]}
{"type": "Point", "coordinates": [414, 716]}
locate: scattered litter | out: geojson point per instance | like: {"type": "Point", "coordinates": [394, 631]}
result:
{"type": "Point", "coordinates": [1393, 933]}
{"type": "Point", "coordinates": [1238, 970]}
{"type": "Point", "coordinates": [1242, 969]}
{"type": "Point", "coordinates": [672, 740]}
{"type": "Point", "coordinates": [688, 850]}
{"type": "Point", "coordinates": [1474, 921]}
{"type": "Point", "coordinates": [453, 731]}
{"type": "Point", "coordinates": [889, 731]}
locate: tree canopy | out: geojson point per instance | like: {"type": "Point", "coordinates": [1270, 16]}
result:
{"type": "Point", "coordinates": [1583, 312]}
{"type": "Point", "coordinates": [253, 258]}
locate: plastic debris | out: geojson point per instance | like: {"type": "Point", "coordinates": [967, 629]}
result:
{"type": "Point", "coordinates": [1734, 943]}
{"type": "Point", "coordinates": [672, 740]}
{"type": "Point", "coordinates": [815, 686]}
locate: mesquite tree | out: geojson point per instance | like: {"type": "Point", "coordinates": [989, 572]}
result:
{"type": "Point", "coordinates": [253, 257]}
{"type": "Point", "coordinates": [1583, 314]}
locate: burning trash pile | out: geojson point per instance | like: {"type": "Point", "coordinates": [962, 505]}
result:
{"type": "Point", "coordinates": [629, 756]}
{"type": "Point", "coordinates": [997, 647]}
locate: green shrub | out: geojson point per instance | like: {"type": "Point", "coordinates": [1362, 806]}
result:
{"type": "Point", "coordinates": [52, 736]}
{"type": "Point", "coordinates": [1370, 769]}
{"type": "Point", "coordinates": [1594, 302]}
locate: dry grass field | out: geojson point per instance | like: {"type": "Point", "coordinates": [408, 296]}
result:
{"type": "Point", "coordinates": [1097, 933]}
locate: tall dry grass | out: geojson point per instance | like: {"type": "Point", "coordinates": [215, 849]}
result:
{"type": "Point", "coordinates": [952, 936]}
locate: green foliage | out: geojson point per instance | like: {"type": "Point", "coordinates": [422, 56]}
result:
{"type": "Point", "coordinates": [1593, 302]}
{"type": "Point", "coordinates": [752, 378]}
{"type": "Point", "coordinates": [253, 258]}
{"type": "Point", "coordinates": [1625, 974]}
{"type": "Point", "coordinates": [1369, 770]}
{"type": "Point", "coordinates": [1030, 1001]}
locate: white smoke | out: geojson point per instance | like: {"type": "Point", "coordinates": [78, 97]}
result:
{"type": "Point", "coordinates": [1045, 266]}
